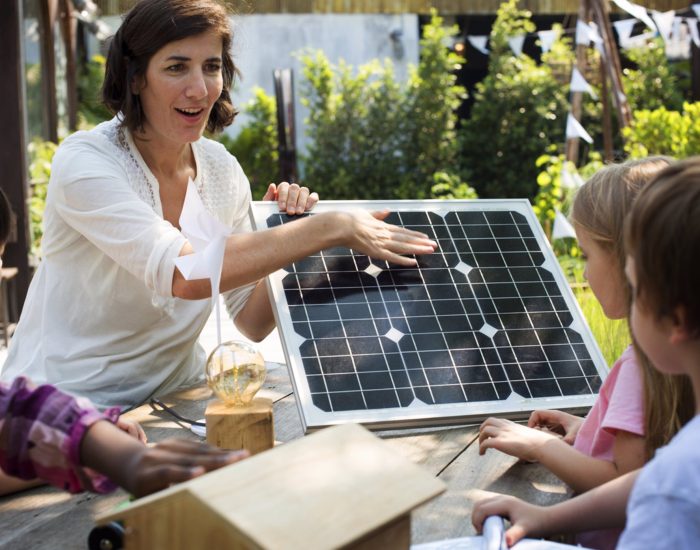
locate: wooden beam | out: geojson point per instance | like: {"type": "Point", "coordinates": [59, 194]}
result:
{"type": "Point", "coordinates": [48, 11]}
{"type": "Point", "coordinates": [572, 145]}
{"type": "Point", "coordinates": [12, 147]}
{"type": "Point", "coordinates": [69, 26]}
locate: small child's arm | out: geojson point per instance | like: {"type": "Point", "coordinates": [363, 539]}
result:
{"type": "Point", "coordinates": [581, 472]}
{"type": "Point", "coordinates": [601, 508]}
{"type": "Point", "coordinates": [141, 469]}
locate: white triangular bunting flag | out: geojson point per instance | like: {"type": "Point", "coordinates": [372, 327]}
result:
{"type": "Point", "coordinates": [594, 34]}
{"type": "Point", "coordinates": [640, 12]}
{"type": "Point", "coordinates": [664, 22]}
{"type": "Point", "coordinates": [578, 179]}
{"type": "Point", "coordinates": [479, 42]}
{"type": "Point", "coordinates": [583, 37]}
{"type": "Point", "coordinates": [579, 84]}
{"type": "Point", "coordinates": [696, 9]}
{"type": "Point", "coordinates": [547, 38]}
{"type": "Point", "coordinates": [562, 227]}
{"type": "Point", "coordinates": [567, 180]}
{"type": "Point", "coordinates": [624, 29]}
{"type": "Point", "coordinates": [693, 26]}
{"type": "Point", "coordinates": [516, 44]}
{"type": "Point", "coordinates": [575, 130]}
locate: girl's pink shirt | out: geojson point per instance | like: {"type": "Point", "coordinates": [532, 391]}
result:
{"type": "Point", "coordinates": [620, 406]}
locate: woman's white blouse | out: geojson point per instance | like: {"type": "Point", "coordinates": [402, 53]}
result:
{"type": "Point", "coordinates": [99, 319]}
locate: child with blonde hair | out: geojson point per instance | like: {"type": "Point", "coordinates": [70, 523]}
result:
{"type": "Point", "coordinates": [663, 267]}
{"type": "Point", "coordinates": [638, 409]}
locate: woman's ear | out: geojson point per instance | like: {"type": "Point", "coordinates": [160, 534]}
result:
{"type": "Point", "coordinates": [137, 84]}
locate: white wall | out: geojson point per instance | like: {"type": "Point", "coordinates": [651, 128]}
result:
{"type": "Point", "coordinates": [263, 43]}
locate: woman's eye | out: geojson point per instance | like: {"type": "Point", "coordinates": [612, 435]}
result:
{"type": "Point", "coordinates": [175, 68]}
{"type": "Point", "coordinates": [213, 67]}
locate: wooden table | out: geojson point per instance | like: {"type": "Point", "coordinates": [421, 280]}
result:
{"type": "Point", "coordinates": [48, 518]}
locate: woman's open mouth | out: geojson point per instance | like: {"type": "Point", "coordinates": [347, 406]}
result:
{"type": "Point", "coordinates": [190, 113]}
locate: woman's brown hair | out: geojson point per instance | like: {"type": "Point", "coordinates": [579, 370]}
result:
{"type": "Point", "coordinates": [150, 25]}
{"type": "Point", "coordinates": [600, 208]}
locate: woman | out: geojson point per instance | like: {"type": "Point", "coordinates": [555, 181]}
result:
{"type": "Point", "coordinates": [107, 314]}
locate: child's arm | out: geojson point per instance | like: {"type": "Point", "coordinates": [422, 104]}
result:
{"type": "Point", "coordinates": [601, 508]}
{"type": "Point", "coordinates": [565, 424]}
{"type": "Point", "coordinates": [579, 471]}
{"type": "Point", "coordinates": [141, 469]}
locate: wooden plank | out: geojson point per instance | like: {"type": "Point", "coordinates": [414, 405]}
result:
{"type": "Point", "coordinates": [471, 477]}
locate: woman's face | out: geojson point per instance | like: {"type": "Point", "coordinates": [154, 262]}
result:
{"type": "Point", "coordinates": [182, 82]}
{"type": "Point", "coordinates": [603, 275]}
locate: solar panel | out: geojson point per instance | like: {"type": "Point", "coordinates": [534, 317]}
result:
{"type": "Point", "coordinates": [486, 325]}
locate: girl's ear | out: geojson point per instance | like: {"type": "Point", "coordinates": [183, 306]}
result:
{"type": "Point", "coordinates": [679, 327]}
{"type": "Point", "coordinates": [137, 84]}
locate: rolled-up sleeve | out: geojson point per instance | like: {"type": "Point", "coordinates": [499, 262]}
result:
{"type": "Point", "coordinates": [91, 194]}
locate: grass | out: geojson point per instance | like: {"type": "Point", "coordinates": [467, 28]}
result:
{"type": "Point", "coordinates": [612, 336]}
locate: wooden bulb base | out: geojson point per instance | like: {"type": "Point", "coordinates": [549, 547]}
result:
{"type": "Point", "coordinates": [248, 427]}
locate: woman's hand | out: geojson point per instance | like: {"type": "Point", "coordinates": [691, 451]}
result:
{"type": "Point", "coordinates": [513, 439]}
{"type": "Point", "coordinates": [291, 198]}
{"type": "Point", "coordinates": [525, 519]}
{"type": "Point", "coordinates": [134, 429]}
{"type": "Point", "coordinates": [365, 232]}
{"type": "Point", "coordinates": [565, 424]}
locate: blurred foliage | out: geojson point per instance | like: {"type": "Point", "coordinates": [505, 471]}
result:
{"type": "Point", "coordinates": [664, 132]}
{"type": "Point", "coordinates": [91, 110]}
{"type": "Point", "coordinates": [653, 84]}
{"type": "Point", "coordinates": [256, 146]}
{"type": "Point", "coordinates": [520, 109]}
{"type": "Point", "coordinates": [40, 157]}
{"type": "Point", "coordinates": [371, 137]}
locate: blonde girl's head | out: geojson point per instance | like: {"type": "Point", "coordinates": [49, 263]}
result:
{"type": "Point", "coordinates": [598, 212]}
{"type": "Point", "coordinates": [602, 203]}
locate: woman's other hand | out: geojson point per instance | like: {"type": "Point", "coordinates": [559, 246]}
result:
{"type": "Point", "coordinates": [291, 198]}
{"type": "Point", "coordinates": [525, 519]}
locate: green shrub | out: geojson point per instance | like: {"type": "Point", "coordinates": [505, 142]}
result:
{"type": "Point", "coordinates": [371, 137]}
{"type": "Point", "coordinates": [520, 109]}
{"type": "Point", "coordinates": [653, 84]}
{"type": "Point", "coordinates": [664, 132]}
{"type": "Point", "coordinates": [40, 157]}
{"type": "Point", "coordinates": [256, 146]}
{"type": "Point", "coordinates": [91, 110]}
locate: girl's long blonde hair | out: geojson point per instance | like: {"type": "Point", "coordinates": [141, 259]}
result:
{"type": "Point", "coordinates": [600, 208]}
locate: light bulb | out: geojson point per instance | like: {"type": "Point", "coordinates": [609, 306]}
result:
{"type": "Point", "coordinates": [235, 372]}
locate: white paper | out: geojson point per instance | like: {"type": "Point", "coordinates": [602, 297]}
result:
{"type": "Point", "coordinates": [640, 12]}
{"type": "Point", "coordinates": [579, 84]}
{"type": "Point", "coordinates": [516, 44]}
{"type": "Point", "coordinates": [562, 227]}
{"type": "Point", "coordinates": [207, 235]}
{"type": "Point", "coordinates": [479, 42]}
{"type": "Point", "coordinates": [575, 130]}
{"type": "Point", "coordinates": [547, 38]}
{"type": "Point", "coordinates": [664, 22]}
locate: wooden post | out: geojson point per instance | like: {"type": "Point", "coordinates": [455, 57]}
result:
{"type": "Point", "coordinates": [13, 148]}
{"type": "Point", "coordinates": [607, 117]}
{"type": "Point", "coordinates": [601, 15]}
{"type": "Point", "coordinates": [248, 427]}
{"type": "Point", "coordinates": [69, 27]}
{"type": "Point", "coordinates": [572, 145]}
{"type": "Point", "coordinates": [48, 11]}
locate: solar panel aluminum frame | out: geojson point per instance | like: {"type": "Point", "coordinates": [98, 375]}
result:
{"type": "Point", "coordinates": [514, 407]}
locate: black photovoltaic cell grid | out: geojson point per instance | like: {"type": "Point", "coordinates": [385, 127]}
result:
{"type": "Point", "coordinates": [477, 321]}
